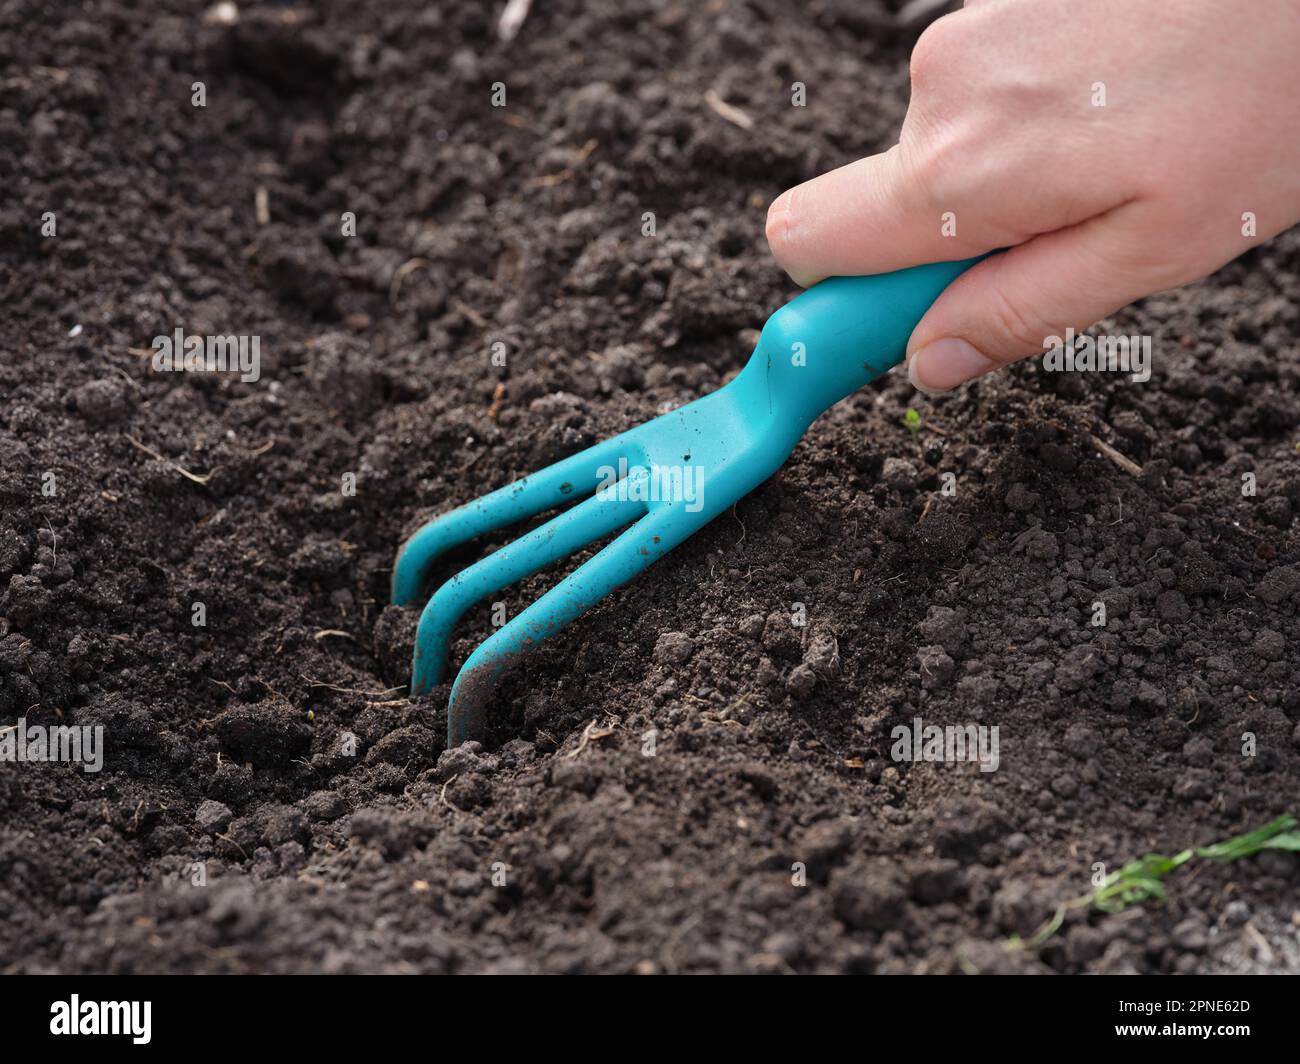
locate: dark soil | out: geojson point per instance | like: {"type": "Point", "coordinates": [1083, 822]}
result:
{"type": "Point", "coordinates": [228, 754]}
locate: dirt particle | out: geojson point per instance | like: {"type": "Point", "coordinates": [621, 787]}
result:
{"type": "Point", "coordinates": [761, 779]}
{"type": "Point", "coordinates": [470, 792]}
{"type": "Point", "coordinates": [1171, 606]}
{"type": "Point", "coordinates": [1020, 499]}
{"type": "Point", "coordinates": [935, 881]}
{"type": "Point", "coordinates": [212, 817]}
{"type": "Point", "coordinates": [899, 474]}
{"type": "Point", "coordinates": [674, 648]}
{"type": "Point", "coordinates": [936, 667]}
{"type": "Point", "coordinates": [598, 111]}
{"type": "Point", "coordinates": [267, 735]}
{"type": "Point", "coordinates": [410, 748]}
{"type": "Point", "coordinates": [781, 637]}
{"type": "Point", "coordinates": [962, 827]}
{"type": "Point", "coordinates": [1151, 696]}
{"type": "Point", "coordinates": [1190, 935]}
{"type": "Point", "coordinates": [869, 895]}
{"type": "Point", "coordinates": [25, 600]}
{"type": "Point", "coordinates": [1077, 668]}
{"type": "Point", "coordinates": [822, 654]}
{"type": "Point", "coordinates": [103, 401]}
{"type": "Point", "coordinates": [1280, 584]}
{"type": "Point", "coordinates": [1017, 909]}
{"type": "Point", "coordinates": [576, 775]}
{"type": "Point", "coordinates": [945, 627]}
{"type": "Point", "coordinates": [800, 682]}
{"type": "Point", "coordinates": [824, 843]}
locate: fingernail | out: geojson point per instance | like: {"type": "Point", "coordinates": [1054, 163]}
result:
{"type": "Point", "coordinates": [944, 364]}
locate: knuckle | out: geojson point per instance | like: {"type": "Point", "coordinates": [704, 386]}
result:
{"type": "Point", "coordinates": [936, 167]}
{"type": "Point", "coordinates": [934, 52]}
{"type": "Point", "coordinates": [1020, 328]}
{"type": "Point", "coordinates": [1140, 252]}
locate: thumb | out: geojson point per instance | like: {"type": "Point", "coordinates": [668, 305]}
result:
{"type": "Point", "coordinates": [871, 216]}
{"type": "Point", "coordinates": [1005, 308]}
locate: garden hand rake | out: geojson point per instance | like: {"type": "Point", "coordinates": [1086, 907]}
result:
{"type": "Point", "coordinates": [823, 345]}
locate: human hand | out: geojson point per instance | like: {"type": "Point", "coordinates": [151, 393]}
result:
{"type": "Point", "coordinates": [1115, 147]}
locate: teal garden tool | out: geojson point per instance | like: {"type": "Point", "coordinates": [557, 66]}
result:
{"type": "Point", "coordinates": [658, 482]}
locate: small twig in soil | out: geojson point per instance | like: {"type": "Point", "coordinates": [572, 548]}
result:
{"type": "Point", "coordinates": [1123, 461]}
{"type": "Point", "coordinates": [722, 109]}
{"type": "Point", "coordinates": [590, 735]}
{"type": "Point", "coordinates": [198, 478]}
{"type": "Point", "coordinates": [270, 688]}
{"type": "Point", "coordinates": [324, 632]}
{"type": "Point", "coordinates": [227, 837]}
{"type": "Point", "coordinates": [399, 275]}
{"type": "Point", "coordinates": [512, 19]}
{"type": "Point", "coordinates": [472, 462]}
{"type": "Point", "coordinates": [475, 318]}
{"type": "Point", "coordinates": [55, 548]}
{"type": "Point", "coordinates": [743, 530]}
{"type": "Point", "coordinates": [916, 13]}
{"type": "Point", "coordinates": [442, 797]}
{"type": "Point", "coordinates": [561, 176]}
{"type": "Point", "coordinates": [125, 376]}
{"type": "Point", "coordinates": [498, 394]}
{"type": "Point", "coordinates": [348, 690]}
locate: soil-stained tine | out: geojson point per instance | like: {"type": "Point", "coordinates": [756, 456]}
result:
{"type": "Point", "coordinates": [558, 538]}
{"type": "Point", "coordinates": [569, 479]}
{"type": "Point", "coordinates": [626, 557]}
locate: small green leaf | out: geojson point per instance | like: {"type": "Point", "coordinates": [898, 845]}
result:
{"type": "Point", "coordinates": [1142, 880]}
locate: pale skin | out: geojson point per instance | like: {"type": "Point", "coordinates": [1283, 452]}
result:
{"type": "Point", "coordinates": [1113, 146]}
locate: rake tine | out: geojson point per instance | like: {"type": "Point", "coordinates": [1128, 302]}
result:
{"type": "Point", "coordinates": [570, 478]}
{"type": "Point", "coordinates": [626, 557]}
{"type": "Point", "coordinates": [563, 535]}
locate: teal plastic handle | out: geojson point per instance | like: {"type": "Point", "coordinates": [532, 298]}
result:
{"type": "Point", "coordinates": [843, 333]}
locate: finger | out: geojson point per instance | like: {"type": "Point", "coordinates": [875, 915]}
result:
{"type": "Point", "coordinates": [870, 216]}
{"type": "Point", "coordinates": [1005, 308]}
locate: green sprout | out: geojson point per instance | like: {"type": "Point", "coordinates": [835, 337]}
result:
{"type": "Point", "coordinates": [912, 420]}
{"type": "Point", "coordinates": [1143, 880]}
